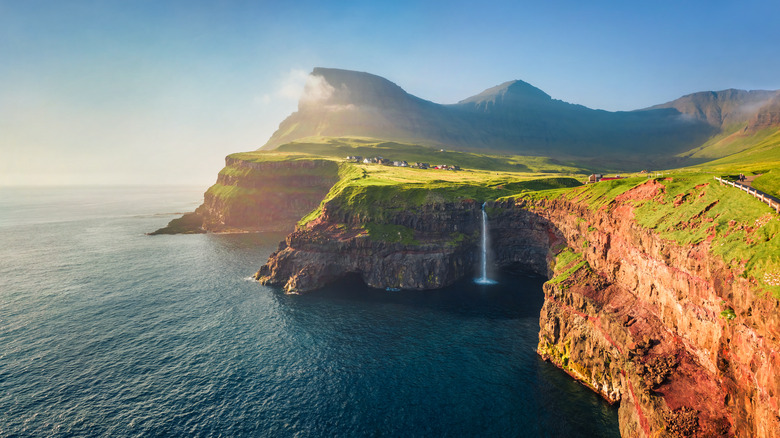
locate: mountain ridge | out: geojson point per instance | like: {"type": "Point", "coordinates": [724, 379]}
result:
{"type": "Point", "coordinates": [721, 108]}
{"type": "Point", "coordinates": [516, 117]}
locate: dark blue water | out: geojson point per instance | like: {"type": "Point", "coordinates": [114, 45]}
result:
{"type": "Point", "coordinates": [107, 332]}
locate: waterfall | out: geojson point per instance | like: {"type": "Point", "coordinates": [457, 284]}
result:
{"type": "Point", "coordinates": [483, 279]}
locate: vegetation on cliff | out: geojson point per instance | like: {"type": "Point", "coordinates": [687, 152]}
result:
{"type": "Point", "coordinates": [566, 263]}
{"type": "Point", "coordinates": [376, 194]}
{"type": "Point", "coordinates": [694, 209]}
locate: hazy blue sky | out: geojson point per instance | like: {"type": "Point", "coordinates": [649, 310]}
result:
{"type": "Point", "coordinates": [131, 91]}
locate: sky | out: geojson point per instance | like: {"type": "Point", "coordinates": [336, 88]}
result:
{"type": "Point", "coordinates": [104, 92]}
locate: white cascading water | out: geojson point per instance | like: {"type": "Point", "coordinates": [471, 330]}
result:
{"type": "Point", "coordinates": [483, 279]}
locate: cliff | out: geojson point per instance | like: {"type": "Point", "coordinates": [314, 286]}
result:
{"type": "Point", "coordinates": [429, 249]}
{"type": "Point", "coordinates": [409, 235]}
{"type": "Point", "coordinates": [662, 293]}
{"type": "Point", "coordinates": [260, 192]}
{"type": "Point", "coordinates": [682, 340]}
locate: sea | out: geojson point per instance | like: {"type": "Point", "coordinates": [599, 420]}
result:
{"type": "Point", "coordinates": [106, 331]}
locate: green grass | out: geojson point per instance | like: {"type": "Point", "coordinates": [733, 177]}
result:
{"type": "Point", "coordinates": [390, 233]}
{"type": "Point", "coordinates": [692, 209]}
{"type": "Point", "coordinates": [246, 196]}
{"type": "Point", "coordinates": [743, 232]}
{"type": "Point", "coordinates": [348, 174]}
{"type": "Point", "coordinates": [234, 194]}
{"type": "Point", "coordinates": [769, 182]}
{"type": "Point", "coordinates": [567, 262]}
{"type": "Point", "coordinates": [602, 193]}
{"type": "Point", "coordinates": [266, 165]}
{"type": "Point", "coordinates": [731, 141]}
{"type": "Point", "coordinates": [379, 198]}
{"type": "Point", "coordinates": [268, 156]}
{"type": "Point", "coordinates": [762, 155]}
{"type": "Point", "coordinates": [342, 147]}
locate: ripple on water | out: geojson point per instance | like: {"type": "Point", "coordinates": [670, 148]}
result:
{"type": "Point", "coordinates": [108, 332]}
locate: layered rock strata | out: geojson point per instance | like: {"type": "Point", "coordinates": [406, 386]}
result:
{"type": "Point", "coordinates": [259, 196]}
{"type": "Point", "coordinates": [439, 249]}
{"type": "Point", "coordinates": [696, 348]}
{"type": "Point", "coordinates": [684, 343]}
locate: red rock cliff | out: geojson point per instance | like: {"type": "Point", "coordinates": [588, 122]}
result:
{"type": "Point", "coordinates": [683, 342]}
{"type": "Point", "coordinates": [687, 347]}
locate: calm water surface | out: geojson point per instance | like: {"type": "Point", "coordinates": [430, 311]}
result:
{"type": "Point", "coordinates": [105, 331]}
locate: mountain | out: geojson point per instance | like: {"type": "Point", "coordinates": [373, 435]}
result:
{"type": "Point", "coordinates": [722, 109]}
{"type": "Point", "coordinates": [767, 116]}
{"type": "Point", "coordinates": [516, 117]}
{"type": "Point", "coordinates": [512, 94]}
{"type": "Point", "coordinates": [341, 102]}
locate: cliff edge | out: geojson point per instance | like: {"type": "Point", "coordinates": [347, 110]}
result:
{"type": "Point", "coordinates": [259, 192]}
{"type": "Point", "coordinates": [662, 294]}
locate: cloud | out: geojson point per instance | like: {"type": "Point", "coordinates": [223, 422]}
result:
{"type": "Point", "coordinates": [307, 90]}
{"type": "Point", "coordinates": [293, 84]}
{"type": "Point", "coordinates": [288, 89]}
{"type": "Point", "coordinates": [317, 90]}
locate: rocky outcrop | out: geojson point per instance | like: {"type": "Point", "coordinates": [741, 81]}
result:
{"type": "Point", "coordinates": [686, 346]}
{"type": "Point", "coordinates": [309, 259]}
{"type": "Point", "coordinates": [766, 117]}
{"type": "Point", "coordinates": [259, 196]}
{"type": "Point", "coordinates": [682, 341]}
{"type": "Point", "coordinates": [426, 249]}
{"type": "Point", "coordinates": [189, 223]}
{"type": "Point", "coordinates": [264, 196]}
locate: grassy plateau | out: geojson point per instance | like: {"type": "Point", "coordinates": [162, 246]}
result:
{"type": "Point", "coordinates": [692, 209]}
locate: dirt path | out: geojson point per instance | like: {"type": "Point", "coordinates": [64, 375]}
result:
{"type": "Point", "coordinates": [748, 180]}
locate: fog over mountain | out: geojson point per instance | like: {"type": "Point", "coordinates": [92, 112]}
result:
{"type": "Point", "coordinates": [516, 117]}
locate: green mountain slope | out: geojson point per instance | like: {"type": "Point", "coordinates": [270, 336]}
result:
{"type": "Point", "coordinates": [365, 147]}
{"type": "Point", "coordinates": [520, 119]}
{"type": "Point", "coordinates": [761, 154]}
{"type": "Point", "coordinates": [514, 117]}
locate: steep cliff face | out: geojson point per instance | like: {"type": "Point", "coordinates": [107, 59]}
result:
{"type": "Point", "coordinates": [680, 339]}
{"type": "Point", "coordinates": [686, 342]}
{"type": "Point", "coordinates": [426, 249]}
{"type": "Point", "coordinates": [768, 116]}
{"type": "Point", "coordinates": [258, 193]}
{"type": "Point", "coordinates": [268, 195]}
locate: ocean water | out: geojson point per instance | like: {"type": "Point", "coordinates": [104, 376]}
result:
{"type": "Point", "coordinates": [105, 331]}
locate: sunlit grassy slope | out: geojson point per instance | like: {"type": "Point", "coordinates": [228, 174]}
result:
{"type": "Point", "coordinates": [762, 155]}
{"type": "Point", "coordinates": [731, 141]}
{"type": "Point", "coordinates": [769, 182]}
{"type": "Point", "coordinates": [758, 153]}
{"type": "Point", "coordinates": [744, 232]}
{"type": "Point", "coordinates": [376, 191]}
{"type": "Point", "coordinates": [366, 147]}
{"type": "Point", "coordinates": [693, 208]}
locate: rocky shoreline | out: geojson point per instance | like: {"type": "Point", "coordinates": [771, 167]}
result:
{"type": "Point", "coordinates": [638, 318]}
